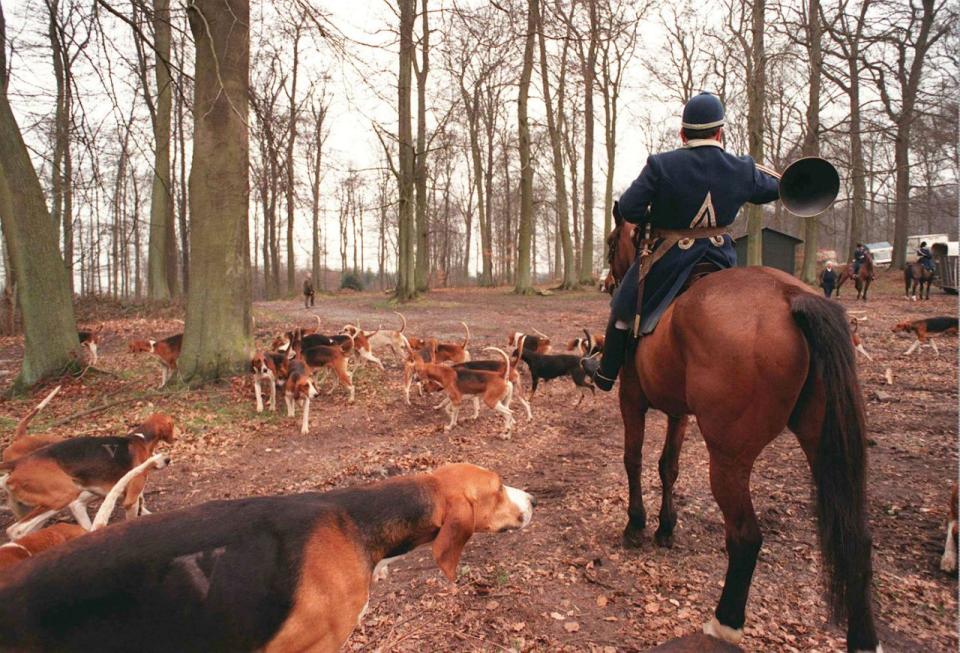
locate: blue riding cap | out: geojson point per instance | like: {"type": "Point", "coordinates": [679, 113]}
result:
{"type": "Point", "coordinates": [703, 111]}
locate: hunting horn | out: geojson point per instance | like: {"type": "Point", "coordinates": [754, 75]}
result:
{"type": "Point", "coordinates": [808, 186]}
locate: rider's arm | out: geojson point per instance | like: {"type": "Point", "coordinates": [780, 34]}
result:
{"type": "Point", "coordinates": [635, 200]}
{"type": "Point", "coordinates": [766, 187]}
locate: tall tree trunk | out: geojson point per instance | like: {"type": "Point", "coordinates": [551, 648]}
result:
{"type": "Point", "coordinates": [217, 339]}
{"type": "Point", "coordinates": [569, 275]}
{"type": "Point", "coordinates": [290, 188]}
{"type": "Point", "coordinates": [756, 88]}
{"type": "Point", "coordinates": [524, 285]}
{"type": "Point", "coordinates": [811, 142]}
{"type": "Point", "coordinates": [318, 120]}
{"type": "Point", "coordinates": [137, 281]}
{"type": "Point", "coordinates": [589, 76]}
{"type": "Point", "coordinates": [858, 172]}
{"type": "Point", "coordinates": [43, 292]}
{"type": "Point", "coordinates": [182, 206]}
{"type": "Point", "coordinates": [406, 281]}
{"type": "Point", "coordinates": [159, 274]}
{"type": "Point", "coordinates": [422, 271]}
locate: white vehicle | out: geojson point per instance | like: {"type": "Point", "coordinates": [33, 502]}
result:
{"type": "Point", "coordinates": [881, 252]}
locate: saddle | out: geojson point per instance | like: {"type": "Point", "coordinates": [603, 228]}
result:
{"type": "Point", "coordinates": [668, 238]}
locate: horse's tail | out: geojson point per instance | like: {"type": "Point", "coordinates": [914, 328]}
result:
{"type": "Point", "coordinates": [841, 462]}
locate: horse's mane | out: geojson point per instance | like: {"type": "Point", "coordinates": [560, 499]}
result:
{"type": "Point", "coordinates": [613, 242]}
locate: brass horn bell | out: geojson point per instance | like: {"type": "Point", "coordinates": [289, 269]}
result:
{"type": "Point", "coordinates": [809, 186]}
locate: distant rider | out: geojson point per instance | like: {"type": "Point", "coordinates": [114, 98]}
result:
{"type": "Point", "coordinates": [924, 257]}
{"type": "Point", "coordinates": [860, 254]}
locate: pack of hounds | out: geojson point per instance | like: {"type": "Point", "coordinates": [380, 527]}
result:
{"type": "Point", "coordinates": [273, 573]}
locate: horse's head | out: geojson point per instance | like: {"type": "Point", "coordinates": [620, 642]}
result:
{"type": "Point", "coordinates": [621, 245]}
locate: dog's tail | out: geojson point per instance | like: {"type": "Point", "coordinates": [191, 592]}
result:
{"type": "Point", "coordinates": [840, 467]}
{"type": "Point", "coordinates": [319, 324]}
{"type": "Point", "coordinates": [403, 321]}
{"type": "Point", "coordinates": [466, 337]}
{"type": "Point", "coordinates": [157, 461]}
{"type": "Point", "coordinates": [540, 333]}
{"type": "Point", "coordinates": [519, 352]}
{"type": "Point", "coordinates": [21, 429]}
{"type": "Point", "coordinates": [589, 341]}
{"type": "Point", "coordinates": [506, 371]}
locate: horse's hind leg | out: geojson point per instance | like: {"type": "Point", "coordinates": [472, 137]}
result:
{"type": "Point", "coordinates": [669, 470]}
{"type": "Point", "coordinates": [729, 481]}
{"type": "Point", "coordinates": [633, 409]}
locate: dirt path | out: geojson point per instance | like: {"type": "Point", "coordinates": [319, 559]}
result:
{"type": "Point", "coordinates": [566, 583]}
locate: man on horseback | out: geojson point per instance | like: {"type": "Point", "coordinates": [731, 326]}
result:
{"type": "Point", "coordinates": [924, 257]}
{"type": "Point", "coordinates": [688, 197]}
{"type": "Point", "coordinates": [860, 254]}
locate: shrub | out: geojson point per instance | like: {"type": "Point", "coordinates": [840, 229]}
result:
{"type": "Point", "coordinates": [352, 281]}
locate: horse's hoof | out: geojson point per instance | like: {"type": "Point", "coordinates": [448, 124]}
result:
{"type": "Point", "coordinates": [633, 537]}
{"type": "Point", "coordinates": [716, 629]}
{"type": "Point", "coordinates": [663, 540]}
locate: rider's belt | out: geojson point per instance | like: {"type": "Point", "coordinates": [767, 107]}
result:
{"type": "Point", "coordinates": [668, 238]}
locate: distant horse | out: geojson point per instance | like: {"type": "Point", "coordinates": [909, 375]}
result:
{"type": "Point", "coordinates": [748, 352]}
{"type": "Point", "coordinates": [861, 279]}
{"type": "Point", "coordinates": [916, 276]}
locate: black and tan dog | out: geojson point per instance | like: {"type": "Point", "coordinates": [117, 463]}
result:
{"type": "Point", "coordinates": [923, 329]}
{"type": "Point", "coordinates": [545, 367]}
{"type": "Point", "coordinates": [71, 473]}
{"type": "Point", "coordinates": [273, 574]}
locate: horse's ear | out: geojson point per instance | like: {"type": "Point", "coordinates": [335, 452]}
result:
{"type": "Point", "coordinates": [617, 218]}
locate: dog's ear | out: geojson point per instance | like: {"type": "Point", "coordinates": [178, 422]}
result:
{"type": "Point", "coordinates": [459, 521]}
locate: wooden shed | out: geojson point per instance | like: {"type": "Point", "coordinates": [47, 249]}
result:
{"type": "Point", "coordinates": [779, 250]}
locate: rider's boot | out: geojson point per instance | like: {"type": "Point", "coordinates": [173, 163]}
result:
{"type": "Point", "coordinates": [605, 372]}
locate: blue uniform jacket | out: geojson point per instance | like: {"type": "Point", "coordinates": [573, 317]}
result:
{"type": "Point", "coordinates": [699, 185]}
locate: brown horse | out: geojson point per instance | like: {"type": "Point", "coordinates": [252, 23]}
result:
{"type": "Point", "coordinates": [862, 278]}
{"type": "Point", "coordinates": [918, 276]}
{"type": "Point", "coordinates": [749, 352]}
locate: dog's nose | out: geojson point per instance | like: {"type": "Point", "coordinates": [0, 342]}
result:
{"type": "Point", "coordinates": [533, 500]}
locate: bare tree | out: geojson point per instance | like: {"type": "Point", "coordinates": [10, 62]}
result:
{"type": "Point", "coordinates": [847, 34]}
{"type": "Point", "coordinates": [569, 277]}
{"type": "Point", "coordinates": [811, 141]}
{"type": "Point", "coordinates": [406, 281]}
{"type": "Point", "coordinates": [291, 189]}
{"type": "Point", "coordinates": [909, 35]}
{"type": "Point", "coordinates": [616, 51]}
{"type": "Point", "coordinates": [422, 69]}
{"type": "Point", "coordinates": [320, 132]}
{"type": "Point", "coordinates": [43, 291]}
{"type": "Point", "coordinates": [217, 337]}
{"type": "Point", "coordinates": [524, 285]}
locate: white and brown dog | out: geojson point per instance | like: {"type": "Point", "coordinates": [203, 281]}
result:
{"type": "Point", "coordinates": [167, 351]}
{"type": "Point", "coordinates": [72, 472]}
{"type": "Point", "coordinates": [269, 573]}
{"type": "Point", "coordinates": [539, 343]}
{"type": "Point", "coordinates": [33, 543]}
{"type": "Point", "coordinates": [494, 388]}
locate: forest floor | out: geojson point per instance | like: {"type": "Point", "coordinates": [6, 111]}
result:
{"type": "Point", "coordinates": [565, 583]}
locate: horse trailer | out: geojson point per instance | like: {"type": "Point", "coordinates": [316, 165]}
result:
{"type": "Point", "coordinates": [946, 258]}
